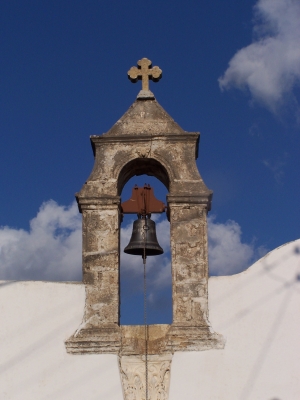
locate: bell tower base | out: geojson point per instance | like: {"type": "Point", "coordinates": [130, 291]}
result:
{"type": "Point", "coordinates": [130, 340]}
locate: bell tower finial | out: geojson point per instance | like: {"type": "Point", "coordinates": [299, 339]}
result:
{"type": "Point", "coordinates": [144, 72]}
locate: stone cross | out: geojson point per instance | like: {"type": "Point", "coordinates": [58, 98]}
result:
{"type": "Point", "coordinates": [144, 72]}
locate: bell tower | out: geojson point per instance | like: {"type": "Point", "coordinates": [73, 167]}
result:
{"type": "Point", "coordinates": [145, 140]}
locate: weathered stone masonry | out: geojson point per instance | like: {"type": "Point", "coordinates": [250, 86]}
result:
{"type": "Point", "coordinates": [146, 140]}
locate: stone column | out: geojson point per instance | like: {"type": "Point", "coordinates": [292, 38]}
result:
{"type": "Point", "coordinates": [100, 253]}
{"type": "Point", "coordinates": [190, 328]}
{"type": "Point", "coordinates": [189, 263]}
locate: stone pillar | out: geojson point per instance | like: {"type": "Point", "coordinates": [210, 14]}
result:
{"type": "Point", "coordinates": [99, 331]}
{"type": "Point", "coordinates": [190, 329]}
{"type": "Point", "coordinates": [189, 263]}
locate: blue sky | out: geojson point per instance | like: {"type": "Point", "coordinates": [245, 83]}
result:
{"type": "Point", "coordinates": [231, 70]}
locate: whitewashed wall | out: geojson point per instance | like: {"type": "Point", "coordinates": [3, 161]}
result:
{"type": "Point", "coordinates": [258, 311]}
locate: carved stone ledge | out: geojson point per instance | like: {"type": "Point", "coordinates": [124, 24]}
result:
{"type": "Point", "coordinates": [164, 339]}
{"type": "Point", "coordinates": [133, 373]}
{"type": "Point", "coordinates": [193, 338]}
{"type": "Point", "coordinates": [130, 340]}
{"type": "Point", "coordinates": [95, 203]}
{"type": "Point", "coordinates": [201, 198]}
{"type": "Point", "coordinates": [102, 340]}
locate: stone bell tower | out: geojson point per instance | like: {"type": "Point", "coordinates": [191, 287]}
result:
{"type": "Point", "coordinates": [145, 140]}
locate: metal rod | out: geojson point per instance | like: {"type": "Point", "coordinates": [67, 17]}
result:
{"type": "Point", "coordinates": [145, 309]}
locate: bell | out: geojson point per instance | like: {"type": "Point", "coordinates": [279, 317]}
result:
{"type": "Point", "coordinates": [143, 235]}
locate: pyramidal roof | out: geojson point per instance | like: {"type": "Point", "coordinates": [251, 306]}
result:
{"type": "Point", "coordinates": [145, 117]}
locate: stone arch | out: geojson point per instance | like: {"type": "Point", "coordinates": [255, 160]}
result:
{"type": "Point", "coordinates": [142, 166]}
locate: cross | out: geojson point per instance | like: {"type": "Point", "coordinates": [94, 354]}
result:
{"type": "Point", "coordinates": [144, 72]}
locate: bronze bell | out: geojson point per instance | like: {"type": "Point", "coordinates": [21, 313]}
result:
{"type": "Point", "coordinates": [143, 235]}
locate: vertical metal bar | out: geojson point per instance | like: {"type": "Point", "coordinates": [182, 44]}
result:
{"type": "Point", "coordinates": [145, 309]}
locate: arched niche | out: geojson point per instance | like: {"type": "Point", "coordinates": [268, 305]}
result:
{"type": "Point", "coordinates": [137, 167]}
{"type": "Point", "coordinates": [144, 141]}
{"type": "Point", "coordinates": [143, 166]}
{"type": "Point", "coordinates": [159, 278]}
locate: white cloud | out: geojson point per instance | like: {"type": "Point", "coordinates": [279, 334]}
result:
{"type": "Point", "coordinates": [270, 66]}
{"type": "Point", "coordinates": [227, 254]}
{"type": "Point", "coordinates": [51, 250]}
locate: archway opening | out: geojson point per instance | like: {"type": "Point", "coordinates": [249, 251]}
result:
{"type": "Point", "coordinates": [159, 279]}
{"type": "Point", "coordinates": [143, 166]}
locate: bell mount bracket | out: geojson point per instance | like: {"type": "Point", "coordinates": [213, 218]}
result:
{"type": "Point", "coordinates": [143, 202]}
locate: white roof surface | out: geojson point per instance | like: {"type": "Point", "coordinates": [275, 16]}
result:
{"type": "Point", "coordinates": [258, 312]}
